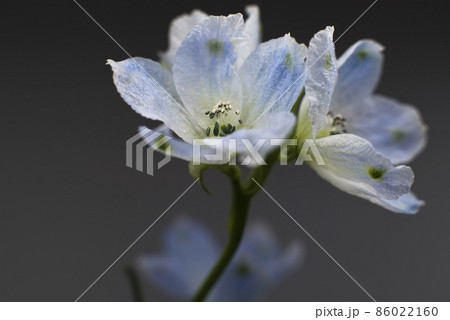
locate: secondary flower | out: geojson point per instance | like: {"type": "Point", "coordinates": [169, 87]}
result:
{"type": "Point", "coordinates": [190, 251]}
{"type": "Point", "coordinates": [181, 25]}
{"type": "Point", "coordinates": [208, 95]}
{"type": "Point", "coordinates": [358, 134]}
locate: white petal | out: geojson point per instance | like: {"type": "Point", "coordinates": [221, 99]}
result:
{"type": "Point", "coordinates": [407, 203]}
{"type": "Point", "coordinates": [321, 77]}
{"type": "Point", "coordinates": [359, 70]}
{"type": "Point", "coordinates": [179, 28]}
{"type": "Point", "coordinates": [149, 89]}
{"type": "Point", "coordinates": [272, 77]}
{"type": "Point", "coordinates": [353, 165]}
{"type": "Point", "coordinates": [203, 70]}
{"type": "Point", "coordinates": [396, 130]}
{"type": "Point", "coordinates": [253, 34]}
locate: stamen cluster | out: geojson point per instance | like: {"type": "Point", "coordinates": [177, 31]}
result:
{"type": "Point", "coordinates": [221, 109]}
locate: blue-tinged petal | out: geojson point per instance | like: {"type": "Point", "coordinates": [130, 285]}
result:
{"type": "Point", "coordinates": [178, 148]}
{"type": "Point", "coordinates": [407, 203]}
{"type": "Point", "coordinates": [272, 78]}
{"type": "Point", "coordinates": [396, 130]}
{"type": "Point", "coordinates": [149, 89]}
{"type": "Point", "coordinates": [253, 34]}
{"type": "Point", "coordinates": [263, 249]}
{"type": "Point", "coordinates": [321, 77]}
{"type": "Point", "coordinates": [289, 260]}
{"type": "Point", "coordinates": [203, 70]}
{"type": "Point", "coordinates": [179, 28]}
{"type": "Point", "coordinates": [163, 272]}
{"type": "Point", "coordinates": [359, 70]}
{"type": "Point", "coordinates": [260, 243]}
{"type": "Point", "coordinates": [353, 165]}
{"type": "Point", "coordinates": [254, 142]}
{"type": "Point", "coordinates": [193, 247]}
{"type": "Point", "coordinates": [189, 253]}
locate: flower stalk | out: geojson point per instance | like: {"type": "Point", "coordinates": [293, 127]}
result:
{"type": "Point", "coordinates": [240, 203]}
{"type": "Point", "coordinates": [241, 196]}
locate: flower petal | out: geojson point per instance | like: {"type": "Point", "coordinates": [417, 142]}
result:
{"type": "Point", "coordinates": [164, 274]}
{"type": "Point", "coordinates": [178, 148]}
{"type": "Point", "coordinates": [189, 252]}
{"type": "Point", "coordinates": [353, 165]}
{"type": "Point", "coordinates": [178, 30]}
{"type": "Point", "coordinates": [253, 34]}
{"type": "Point", "coordinates": [194, 248]}
{"type": "Point", "coordinates": [321, 77]}
{"type": "Point", "coordinates": [407, 203]}
{"type": "Point", "coordinates": [272, 77]}
{"type": "Point", "coordinates": [359, 70]}
{"type": "Point", "coordinates": [263, 248]}
{"type": "Point", "coordinates": [203, 70]}
{"type": "Point", "coordinates": [149, 89]}
{"type": "Point", "coordinates": [396, 130]}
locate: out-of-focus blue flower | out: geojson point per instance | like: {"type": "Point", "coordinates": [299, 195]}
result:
{"type": "Point", "coordinates": [358, 134]}
{"type": "Point", "coordinates": [190, 251]}
{"type": "Point", "coordinates": [222, 85]}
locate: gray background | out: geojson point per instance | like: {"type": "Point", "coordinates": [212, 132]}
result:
{"type": "Point", "coordinates": [69, 205]}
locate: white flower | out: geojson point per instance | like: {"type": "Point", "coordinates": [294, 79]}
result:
{"type": "Point", "coordinates": [358, 134]}
{"type": "Point", "coordinates": [207, 95]}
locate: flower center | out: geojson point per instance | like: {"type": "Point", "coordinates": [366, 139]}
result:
{"type": "Point", "coordinates": [336, 123]}
{"type": "Point", "coordinates": [223, 118]}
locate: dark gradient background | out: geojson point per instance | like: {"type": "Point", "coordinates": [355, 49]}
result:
{"type": "Point", "coordinates": [69, 205]}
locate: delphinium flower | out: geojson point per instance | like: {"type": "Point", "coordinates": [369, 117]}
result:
{"type": "Point", "coordinates": [359, 135]}
{"type": "Point", "coordinates": [218, 83]}
{"type": "Point", "coordinates": [219, 87]}
{"type": "Point", "coordinates": [189, 251]}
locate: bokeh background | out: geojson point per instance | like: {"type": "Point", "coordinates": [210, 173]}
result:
{"type": "Point", "coordinates": [69, 205]}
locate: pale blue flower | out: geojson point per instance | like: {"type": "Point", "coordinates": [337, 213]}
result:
{"type": "Point", "coordinates": [190, 251]}
{"type": "Point", "coordinates": [358, 134]}
{"type": "Point", "coordinates": [219, 87]}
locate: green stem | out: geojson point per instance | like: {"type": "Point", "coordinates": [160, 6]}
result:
{"type": "Point", "coordinates": [240, 203]}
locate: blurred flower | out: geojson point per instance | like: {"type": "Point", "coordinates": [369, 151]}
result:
{"type": "Point", "coordinates": [220, 85]}
{"type": "Point", "coordinates": [358, 134]}
{"type": "Point", "coordinates": [190, 251]}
